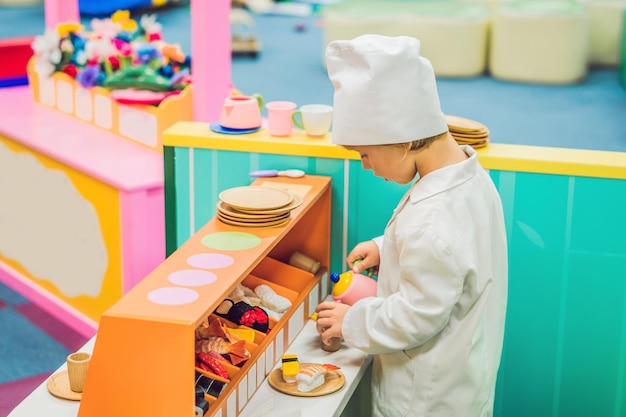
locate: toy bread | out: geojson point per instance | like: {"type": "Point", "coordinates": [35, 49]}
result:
{"type": "Point", "coordinates": [271, 300]}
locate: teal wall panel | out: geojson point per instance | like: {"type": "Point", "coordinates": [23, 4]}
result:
{"type": "Point", "coordinates": [535, 209]}
{"type": "Point", "coordinates": [505, 184]}
{"type": "Point", "coordinates": [183, 221]}
{"type": "Point", "coordinates": [593, 330]}
{"type": "Point", "coordinates": [280, 162]}
{"type": "Point", "coordinates": [333, 168]}
{"type": "Point", "coordinates": [204, 199]}
{"type": "Point", "coordinates": [169, 172]}
{"type": "Point", "coordinates": [564, 352]}
{"type": "Point", "coordinates": [599, 216]}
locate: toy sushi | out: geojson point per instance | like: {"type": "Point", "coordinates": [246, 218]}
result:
{"type": "Point", "coordinates": [290, 368]}
{"type": "Point", "coordinates": [313, 376]}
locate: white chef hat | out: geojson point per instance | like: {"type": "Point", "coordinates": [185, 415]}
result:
{"type": "Point", "coordinates": [385, 92]}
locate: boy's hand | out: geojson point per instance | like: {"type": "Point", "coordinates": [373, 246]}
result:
{"type": "Point", "coordinates": [330, 319]}
{"type": "Point", "coordinates": [365, 252]}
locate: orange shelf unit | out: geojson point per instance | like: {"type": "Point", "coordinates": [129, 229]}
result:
{"type": "Point", "coordinates": [143, 358]}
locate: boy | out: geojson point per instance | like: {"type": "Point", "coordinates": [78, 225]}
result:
{"type": "Point", "coordinates": [436, 326]}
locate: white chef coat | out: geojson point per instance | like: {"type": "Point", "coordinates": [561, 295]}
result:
{"type": "Point", "coordinates": [437, 322]}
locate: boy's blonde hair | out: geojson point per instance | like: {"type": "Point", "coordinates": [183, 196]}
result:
{"type": "Point", "coordinates": [420, 144]}
{"type": "Point", "coordinates": [414, 145]}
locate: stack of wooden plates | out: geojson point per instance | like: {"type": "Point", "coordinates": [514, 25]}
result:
{"type": "Point", "coordinates": [468, 132]}
{"type": "Point", "coordinates": [256, 206]}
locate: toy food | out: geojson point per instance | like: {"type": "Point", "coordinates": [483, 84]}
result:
{"type": "Point", "coordinates": [221, 346]}
{"type": "Point", "coordinates": [208, 385]}
{"type": "Point", "coordinates": [241, 334]}
{"type": "Point", "coordinates": [290, 367]}
{"type": "Point", "coordinates": [209, 363]}
{"type": "Point", "coordinates": [244, 314]}
{"type": "Point", "coordinates": [313, 376]}
{"type": "Point", "coordinates": [271, 300]}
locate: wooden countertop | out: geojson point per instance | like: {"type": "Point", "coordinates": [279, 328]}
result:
{"type": "Point", "coordinates": [353, 364]}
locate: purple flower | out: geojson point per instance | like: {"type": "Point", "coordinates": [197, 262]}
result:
{"type": "Point", "coordinates": [146, 53]}
{"type": "Point", "coordinates": [178, 77]}
{"type": "Point", "coordinates": [89, 76]}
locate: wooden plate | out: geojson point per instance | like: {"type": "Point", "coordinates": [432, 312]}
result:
{"type": "Point", "coordinates": [230, 211]}
{"type": "Point", "coordinates": [256, 198]}
{"type": "Point", "coordinates": [59, 386]}
{"type": "Point", "coordinates": [482, 132]}
{"type": "Point", "coordinates": [470, 135]}
{"type": "Point", "coordinates": [469, 141]}
{"type": "Point", "coordinates": [335, 380]}
{"type": "Point", "coordinates": [297, 200]}
{"type": "Point", "coordinates": [462, 124]}
{"type": "Point", "coordinates": [230, 222]}
{"type": "Point", "coordinates": [479, 145]}
{"type": "Point", "coordinates": [263, 219]}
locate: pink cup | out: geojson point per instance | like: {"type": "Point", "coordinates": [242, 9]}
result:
{"type": "Point", "coordinates": [279, 120]}
{"type": "Point", "coordinates": [242, 112]}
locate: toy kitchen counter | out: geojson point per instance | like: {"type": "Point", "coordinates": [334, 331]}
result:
{"type": "Point", "coordinates": [566, 232]}
{"type": "Point", "coordinates": [143, 352]}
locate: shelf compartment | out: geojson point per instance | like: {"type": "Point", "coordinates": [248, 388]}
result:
{"type": "Point", "coordinates": [258, 336]}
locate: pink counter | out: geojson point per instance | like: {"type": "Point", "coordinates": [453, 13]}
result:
{"type": "Point", "coordinates": [82, 216]}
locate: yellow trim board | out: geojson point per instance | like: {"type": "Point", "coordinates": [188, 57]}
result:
{"type": "Point", "coordinates": [558, 161]}
{"type": "Point", "coordinates": [519, 158]}
{"type": "Point", "coordinates": [200, 136]}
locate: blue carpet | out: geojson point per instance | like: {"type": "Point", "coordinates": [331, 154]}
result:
{"type": "Point", "coordinates": [32, 346]}
{"type": "Point", "coordinates": [31, 349]}
{"type": "Point", "coordinates": [10, 297]}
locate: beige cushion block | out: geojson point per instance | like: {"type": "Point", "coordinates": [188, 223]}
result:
{"type": "Point", "coordinates": [19, 3]}
{"type": "Point", "coordinates": [541, 42]}
{"type": "Point", "coordinates": [454, 36]}
{"type": "Point", "coordinates": [606, 24]}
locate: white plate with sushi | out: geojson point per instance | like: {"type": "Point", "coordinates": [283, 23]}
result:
{"type": "Point", "coordinates": [313, 380]}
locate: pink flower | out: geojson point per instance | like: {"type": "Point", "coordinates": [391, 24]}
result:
{"type": "Point", "coordinates": [125, 48]}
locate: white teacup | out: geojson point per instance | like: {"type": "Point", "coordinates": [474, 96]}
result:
{"type": "Point", "coordinates": [314, 119]}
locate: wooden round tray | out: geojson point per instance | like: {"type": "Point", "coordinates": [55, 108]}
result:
{"type": "Point", "coordinates": [334, 381]}
{"type": "Point", "coordinates": [59, 386]}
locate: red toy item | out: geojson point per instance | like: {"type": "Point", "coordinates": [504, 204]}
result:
{"type": "Point", "coordinates": [14, 55]}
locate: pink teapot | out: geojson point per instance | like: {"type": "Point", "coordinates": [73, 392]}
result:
{"type": "Point", "coordinates": [350, 287]}
{"type": "Point", "coordinates": [242, 112]}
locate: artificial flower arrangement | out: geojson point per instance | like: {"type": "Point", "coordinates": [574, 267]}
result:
{"type": "Point", "coordinates": [128, 58]}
